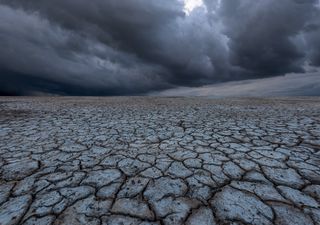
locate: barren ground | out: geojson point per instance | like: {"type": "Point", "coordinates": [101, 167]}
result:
{"type": "Point", "coordinates": [159, 161]}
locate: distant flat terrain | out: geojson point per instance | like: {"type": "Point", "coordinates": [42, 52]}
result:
{"type": "Point", "coordinates": [148, 160]}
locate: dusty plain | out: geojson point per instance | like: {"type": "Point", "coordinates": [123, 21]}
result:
{"type": "Point", "coordinates": [148, 160]}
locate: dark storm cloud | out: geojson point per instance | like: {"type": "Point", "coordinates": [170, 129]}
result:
{"type": "Point", "coordinates": [105, 47]}
{"type": "Point", "coordinates": [266, 37]}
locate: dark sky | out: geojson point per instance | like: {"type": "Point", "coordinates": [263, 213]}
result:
{"type": "Point", "coordinates": [122, 47]}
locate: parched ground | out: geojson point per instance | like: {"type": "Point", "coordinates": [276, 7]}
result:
{"type": "Point", "coordinates": [159, 161]}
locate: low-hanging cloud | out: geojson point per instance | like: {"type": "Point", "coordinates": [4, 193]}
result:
{"type": "Point", "coordinates": [111, 47]}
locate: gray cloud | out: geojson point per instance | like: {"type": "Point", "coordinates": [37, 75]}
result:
{"type": "Point", "coordinates": [265, 36]}
{"type": "Point", "coordinates": [130, 47]}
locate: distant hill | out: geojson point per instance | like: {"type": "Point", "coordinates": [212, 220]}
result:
{"type": "Point", "coordinates": [288, 85]}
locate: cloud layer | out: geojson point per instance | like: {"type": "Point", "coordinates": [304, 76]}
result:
{"type": "Point", "coordinates": [112, 47]}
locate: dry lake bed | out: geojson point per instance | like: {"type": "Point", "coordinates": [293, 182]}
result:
{"type": "Point", "coordinates": [145, 160]}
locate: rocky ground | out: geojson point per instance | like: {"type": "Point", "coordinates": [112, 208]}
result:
{"type": "Point", "coordinates": [159, 161]}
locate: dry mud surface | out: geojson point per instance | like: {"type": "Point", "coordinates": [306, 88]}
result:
{"type": "Point", "coordinates": [159, 161]}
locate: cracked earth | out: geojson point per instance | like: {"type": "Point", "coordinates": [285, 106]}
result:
{"type": "Point", "coordinates": [159, 161]}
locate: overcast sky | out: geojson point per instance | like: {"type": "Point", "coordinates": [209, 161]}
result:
{"type": "Point", "coordinates": [123, 47]}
